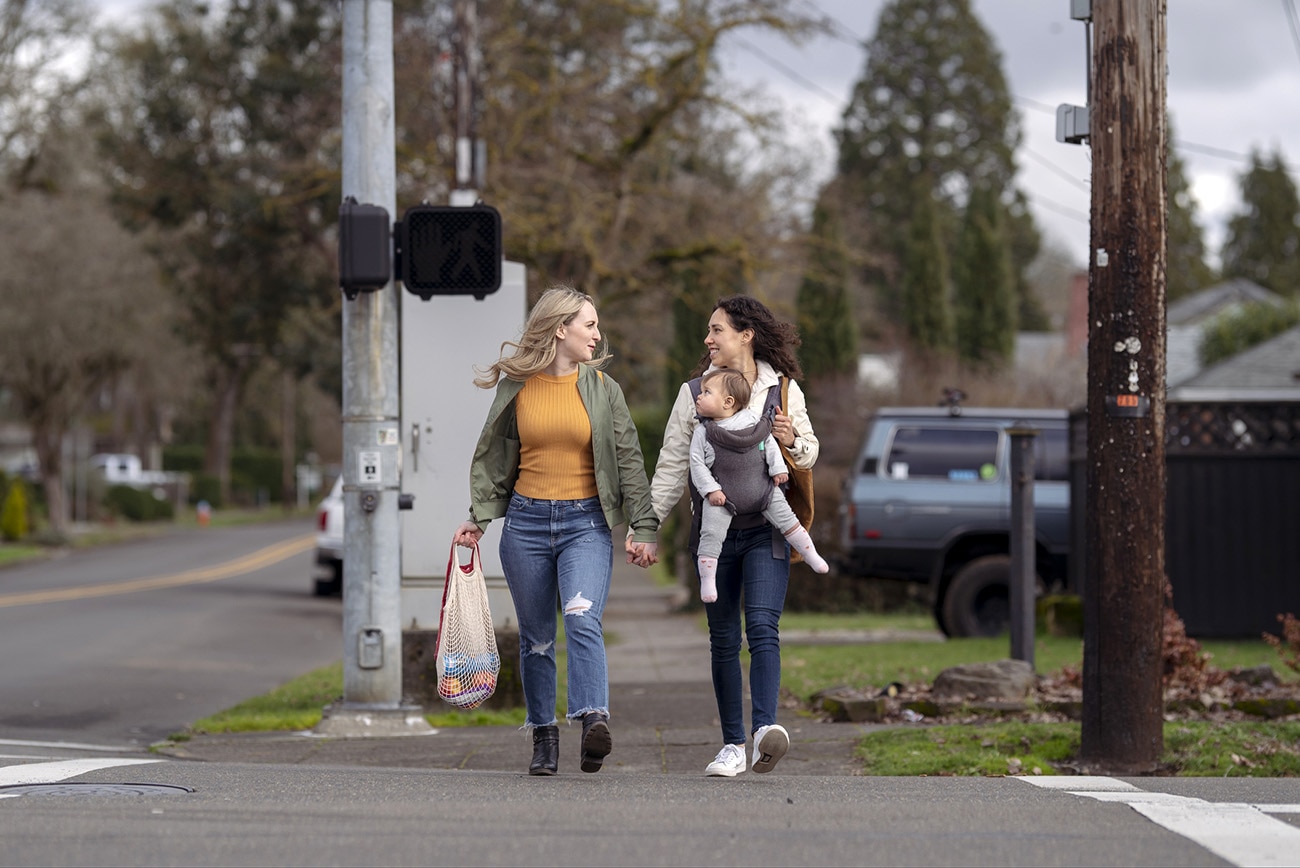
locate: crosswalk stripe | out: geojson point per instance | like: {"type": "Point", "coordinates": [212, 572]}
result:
{"type": "Point", "coordinates": [1243, 834]}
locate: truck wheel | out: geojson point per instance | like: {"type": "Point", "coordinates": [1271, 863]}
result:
{"type": "Point", "coordinates": [330, 587]}
{"type": "Point", "coordinates": [978, 599]}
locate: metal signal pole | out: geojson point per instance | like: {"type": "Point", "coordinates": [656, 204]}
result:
{"type": "Point", "coordinates": [372, 630]}
{"type": "Point", "coordinates": [1123, 701]}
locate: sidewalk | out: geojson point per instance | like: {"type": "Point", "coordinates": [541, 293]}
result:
{"type": "Point", "coordinates": [663, 715]}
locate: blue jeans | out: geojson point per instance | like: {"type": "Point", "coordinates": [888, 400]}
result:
{"type": "Point", "coordinates": [747, 573]}
{"type": "Point", "coordinates": [559, 550]}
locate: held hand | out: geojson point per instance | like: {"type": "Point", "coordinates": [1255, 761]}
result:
{"type": "Point", "coordinates": [633, 549]}
{"type": "Point", "coordinates": [783, 430]}
{"type": "Point", "coordinates": [467, 535]}
{"type": "Point", "coordinates": [649, 555]}
{"type": "Point", "coordinates": [781, 478]}
{"type": "Point", "coordinates": [643, 554]}
{"type": "Point", "coordinates": [717, 498]}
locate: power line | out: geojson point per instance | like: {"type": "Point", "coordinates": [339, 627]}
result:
{"type": "Point", "coordinates": [1064, 210]}
{"type": "Point", "coordinates": [1181, 144]}
{"type": "Point", "coordinates": [838, 29]}
{"type": "Point", "coordinates": [1082, 185]}
{"type": "Point", "coordinates": [790, 73]}
{"type": "Point", "coordinates": [1293, 20]}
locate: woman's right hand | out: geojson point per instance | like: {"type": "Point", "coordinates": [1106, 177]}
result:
{"type": "Point", "coordinates": [467, 535]}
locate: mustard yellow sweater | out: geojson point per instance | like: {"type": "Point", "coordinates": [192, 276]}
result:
{"type": "Point", "coordinates": [555, 456]}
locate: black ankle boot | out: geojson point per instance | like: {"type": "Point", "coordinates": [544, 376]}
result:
{"type": "Point", "coordinates": [546, 750]}
{"type": "Point", "coordinates": [596, 741]}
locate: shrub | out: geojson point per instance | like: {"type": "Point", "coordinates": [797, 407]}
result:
{"type": "Point", "coordinates": [136, 504]}
{"type": "Point", "coordinates": [1288, 645]}
{"type": "Point", "coordinates": [14, 524]}
{"type": "Point", "coordinates": [207, 487]}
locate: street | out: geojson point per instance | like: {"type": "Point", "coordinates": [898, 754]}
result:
{"type": "Point", "coordinates": [107, 652]}
{"type": "Point", "coordinates": [128, 643]}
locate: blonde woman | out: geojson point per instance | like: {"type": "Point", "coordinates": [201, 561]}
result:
{"type": "Point", "coordinates": [560, 461]}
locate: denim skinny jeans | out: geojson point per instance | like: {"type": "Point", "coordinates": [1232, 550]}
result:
{"type": "Point", "coordinates": [559, 550]}
{"type": "Point", "coordinates": [747, 573]}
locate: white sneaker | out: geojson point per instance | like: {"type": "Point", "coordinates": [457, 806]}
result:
{"type": "Point", "coordinates": [770, 744]}
{"type": "Point", "coordinates": [729, 762]}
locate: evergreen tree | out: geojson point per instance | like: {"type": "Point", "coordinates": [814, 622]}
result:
{"type": "Point", "coordinates": [1186, 270]}
{"type": "Point", "coordinates": [983, 285]}
{"type": "Point", "coordinates": [1263, 241]}
{"type": "Point", "coordinates": [927, 308]}
{"type": "Point", "coordinates": [825, 317]}
{"type": "Point", "coordinates": [932, 101]}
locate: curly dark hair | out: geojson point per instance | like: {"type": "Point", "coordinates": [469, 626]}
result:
{"type": "Point", "coordinates": [774, 341]}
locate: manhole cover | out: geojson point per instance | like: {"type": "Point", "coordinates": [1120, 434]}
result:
{"type": "Point", "coordinates": [88, 789]}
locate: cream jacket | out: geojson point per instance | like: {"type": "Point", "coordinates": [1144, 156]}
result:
{"type": "Point", "coordinates": [674, 465]}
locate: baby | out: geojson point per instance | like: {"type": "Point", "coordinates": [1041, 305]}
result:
{"type": "Point", "coordinates": [736, 466]}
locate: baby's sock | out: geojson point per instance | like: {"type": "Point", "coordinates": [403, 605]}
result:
{"type": "Point", "coordinates": [803, 543]}
{"type": "Point", "coordinates": [708, 579]}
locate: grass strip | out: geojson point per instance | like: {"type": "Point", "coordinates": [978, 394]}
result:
{"type": "Point", "coordinates": [1191, 749]}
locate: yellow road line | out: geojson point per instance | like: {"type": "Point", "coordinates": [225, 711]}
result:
{"type": "Point", "coordinates": [247, 564]}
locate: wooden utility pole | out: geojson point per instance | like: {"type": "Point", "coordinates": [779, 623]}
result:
{"type": "Point", "coordinates": [1123, 700]}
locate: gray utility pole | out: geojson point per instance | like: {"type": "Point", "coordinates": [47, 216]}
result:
{"type": "Point", "coordinates": [372, 632]}
{"type": "Point", "coordinates": [1024, 549]}
{"type": "Point", "coordinates": [1123, 703]}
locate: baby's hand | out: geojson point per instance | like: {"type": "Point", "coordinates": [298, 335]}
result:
{"type": "Point", "coordinates": [781, 478]}
{"type": "Point", "coordinates": [717, 498]}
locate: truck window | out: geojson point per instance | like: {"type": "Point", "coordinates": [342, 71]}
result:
{"type": "Point", "coordinates": [1052, 455]}
{"type": "Point", "coordinates": [956, 454]}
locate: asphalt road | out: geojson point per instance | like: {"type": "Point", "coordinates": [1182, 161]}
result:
{"type": "Point", "coordinates": [128, 643]}
{"type": "Point", "coordinates": [231, 814]}
{"type": "Point", "coordinates": [107, 651]}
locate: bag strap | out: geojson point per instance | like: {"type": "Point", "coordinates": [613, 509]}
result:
{"type": "Point", "coordinates": [453, 567]}
{"type": "Point", "coordinates": [696, 385]}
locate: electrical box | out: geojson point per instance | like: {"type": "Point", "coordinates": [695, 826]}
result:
{"type": "Point", "coordinates": [365, 248]}
{"type": "Point", "coordinates": [442, 341]}
{"type": "Point", "coordinates": [1081, 10]}
{"type": "Point", "coordinates": [1071, 124]}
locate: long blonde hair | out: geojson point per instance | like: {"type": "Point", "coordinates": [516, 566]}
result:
{"type": "Point", "coordinates": [535, 349]}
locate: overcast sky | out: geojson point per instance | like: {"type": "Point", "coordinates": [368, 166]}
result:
{"type": "Point", "coordinates": [1234, 85]}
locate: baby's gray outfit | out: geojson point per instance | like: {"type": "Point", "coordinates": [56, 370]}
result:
{"type": "Point", "coordinates": [740, 456]}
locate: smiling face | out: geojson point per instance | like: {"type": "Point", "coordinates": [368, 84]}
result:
{"type": "Point", "coordinates": [727, 347]}
{"type": "Point", "coordinates": [576, 340]}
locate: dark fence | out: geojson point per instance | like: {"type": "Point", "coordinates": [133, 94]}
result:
{"type": "Point", "coordinates": [1232, 514]}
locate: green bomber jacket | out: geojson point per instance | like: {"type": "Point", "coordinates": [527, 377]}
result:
{"type": "Point", "coordinates": [620, 469]}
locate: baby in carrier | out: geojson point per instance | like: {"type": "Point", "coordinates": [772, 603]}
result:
{"type": "Point", "coordinates": [736, 466]}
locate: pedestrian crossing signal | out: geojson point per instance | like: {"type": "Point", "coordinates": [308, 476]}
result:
{"type": "Point", "coordinates": [450, 250]}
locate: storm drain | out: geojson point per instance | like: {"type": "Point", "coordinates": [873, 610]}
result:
{"type": "Point", "coordinates": [73, 788]}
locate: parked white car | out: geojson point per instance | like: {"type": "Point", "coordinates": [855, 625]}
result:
{"type": "Point", "coordinates": [328, 576]}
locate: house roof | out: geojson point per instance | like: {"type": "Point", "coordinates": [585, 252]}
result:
{"type": "Point", "coordinates": [1209, 302]}
{"type": "Point", "coordinates": [1272, 365]}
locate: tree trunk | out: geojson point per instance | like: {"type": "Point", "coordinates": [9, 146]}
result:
{"type": "Point", "coordinates": [288, 436]}
{"type": "Point", "coordinates": [221, 430]}
{"type": "Point", "coordinates": [47, 437]}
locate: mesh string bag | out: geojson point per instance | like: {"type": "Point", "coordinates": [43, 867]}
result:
{"type": "Point", "coordinates": [467, 660]}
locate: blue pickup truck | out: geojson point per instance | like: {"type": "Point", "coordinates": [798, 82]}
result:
{"type": "Point", "coordinates": [928, 500]}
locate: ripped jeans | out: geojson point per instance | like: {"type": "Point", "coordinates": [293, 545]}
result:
{"type": "Point", "coordinates": [559, 550]}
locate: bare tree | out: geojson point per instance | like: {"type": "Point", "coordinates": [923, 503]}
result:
{"type": "Point", "coordinates": [79, 296]}
{"type": "Point", "coordinates": [35, 80]}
